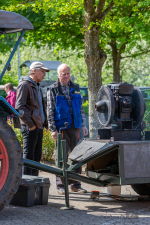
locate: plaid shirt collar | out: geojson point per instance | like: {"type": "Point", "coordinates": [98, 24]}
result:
{"type": "Point", "coordinates": [62, 85]}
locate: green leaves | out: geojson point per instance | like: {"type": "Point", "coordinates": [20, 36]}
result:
{"type": "Point", "coordinates": [62, 21]}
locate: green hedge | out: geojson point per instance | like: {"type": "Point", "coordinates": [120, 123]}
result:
{"type": "Point", "coordinates": [48, 146]}
{"type": "Point", "coordinates": [86, 107]}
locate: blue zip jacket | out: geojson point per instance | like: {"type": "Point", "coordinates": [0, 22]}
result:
{"type": "Point", "coordinates": [62, 108]}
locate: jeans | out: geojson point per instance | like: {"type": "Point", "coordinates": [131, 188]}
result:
{"type": "Point", "coordinates": [32, 147]}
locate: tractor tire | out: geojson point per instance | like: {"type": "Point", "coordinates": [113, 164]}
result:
{"type": "Point", "coordinates": [10, 163]}
{"type": "Point", "coordinates": [141, 189]}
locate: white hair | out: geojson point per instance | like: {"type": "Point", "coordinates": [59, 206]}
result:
{"type": "Point", "coordinates": [61, 66]}
{"type": "Point", "coordinates": [31, 71]}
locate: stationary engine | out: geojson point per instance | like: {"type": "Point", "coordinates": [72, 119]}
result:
{"type": "Point", "coordinates": [120, 110]}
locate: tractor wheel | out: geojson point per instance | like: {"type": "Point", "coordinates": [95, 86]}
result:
{"type": "Point", "coordinates": [141, 189]}
{"type": "Point", "coordinates": [10, 163]}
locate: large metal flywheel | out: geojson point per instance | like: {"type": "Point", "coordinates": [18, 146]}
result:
{"type": "Point", "coordinates": [106, 115]}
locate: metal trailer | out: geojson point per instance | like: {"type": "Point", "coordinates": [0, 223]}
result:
{"type": "Point", "coordinates": [10, 149]}
{"type": "Point", "coordinates": [120, 154]}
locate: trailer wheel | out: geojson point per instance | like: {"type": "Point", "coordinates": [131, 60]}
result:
{"type": "Point", "coordinates": [10, 163]}
{"type": "Point", "coordinates": [141, 189]}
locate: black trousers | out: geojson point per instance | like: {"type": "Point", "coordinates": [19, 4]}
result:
{"type": "Point", "coordinates": [32, 147]}
{"type": "Point", "coordinates": [71, 137]}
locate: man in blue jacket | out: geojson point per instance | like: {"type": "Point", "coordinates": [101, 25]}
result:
{"type": "Point", "coordinates": [64, 105]}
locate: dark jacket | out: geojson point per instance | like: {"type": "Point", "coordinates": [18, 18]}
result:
{"type": "Point", "coordinates": [27, 100]}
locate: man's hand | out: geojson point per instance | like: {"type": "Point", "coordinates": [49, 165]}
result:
{"type": "Point", "coordinates": [54, 135]}
{"type": "Point", "coordinates": [32, 128]}
{"type": "Point", "coordinates": [85, 131]}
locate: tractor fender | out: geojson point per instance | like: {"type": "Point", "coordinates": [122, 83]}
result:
{"type": "Point", "coordinates": [6, 109]}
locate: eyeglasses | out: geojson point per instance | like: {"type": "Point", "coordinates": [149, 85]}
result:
{"type": "Point", "coordinates": [43, 71]}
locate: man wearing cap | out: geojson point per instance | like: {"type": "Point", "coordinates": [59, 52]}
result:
{"type": "Point", "coordinates": [30, 101]}
{"type": "Point", "coordinates": [64, 105]}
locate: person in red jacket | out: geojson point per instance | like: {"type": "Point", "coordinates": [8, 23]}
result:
{"type": "Point", "coordinates": [11, 94]}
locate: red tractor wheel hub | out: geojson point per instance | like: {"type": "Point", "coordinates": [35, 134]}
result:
{"type": "Point", "coordinates": [4, 164]}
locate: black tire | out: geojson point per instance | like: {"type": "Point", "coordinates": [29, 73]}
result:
{"type": "Point", "coordinates": [141, 189]}
{"type": "Point", "coordinates": [15, 162]}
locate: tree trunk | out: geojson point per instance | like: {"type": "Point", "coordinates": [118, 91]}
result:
{"type": "Point", "coordinates": [94, 55]}
{"type": "Point", "coordinates": [94, 58]}
{"type": "Point", "coordinates": [116, 54]}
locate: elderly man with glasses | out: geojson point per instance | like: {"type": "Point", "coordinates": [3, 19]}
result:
{"type": "Point", "coordinates": [30, 101]}
{"type": "Point", "coordinates": [64, 105]}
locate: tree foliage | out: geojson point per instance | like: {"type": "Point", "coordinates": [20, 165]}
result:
{"type": "Point", "coordinates": [129, 28]}
{"type": "Point", "coordinates": [61, 24]}
{"type": "Point", "coordinates": [56, 23]}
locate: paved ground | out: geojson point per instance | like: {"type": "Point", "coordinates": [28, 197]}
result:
{"type": "Point", "coordinates": [85, 211]}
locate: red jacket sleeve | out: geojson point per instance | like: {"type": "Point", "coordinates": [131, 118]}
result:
{"type": "Point", "coordinates": [11, 98]}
